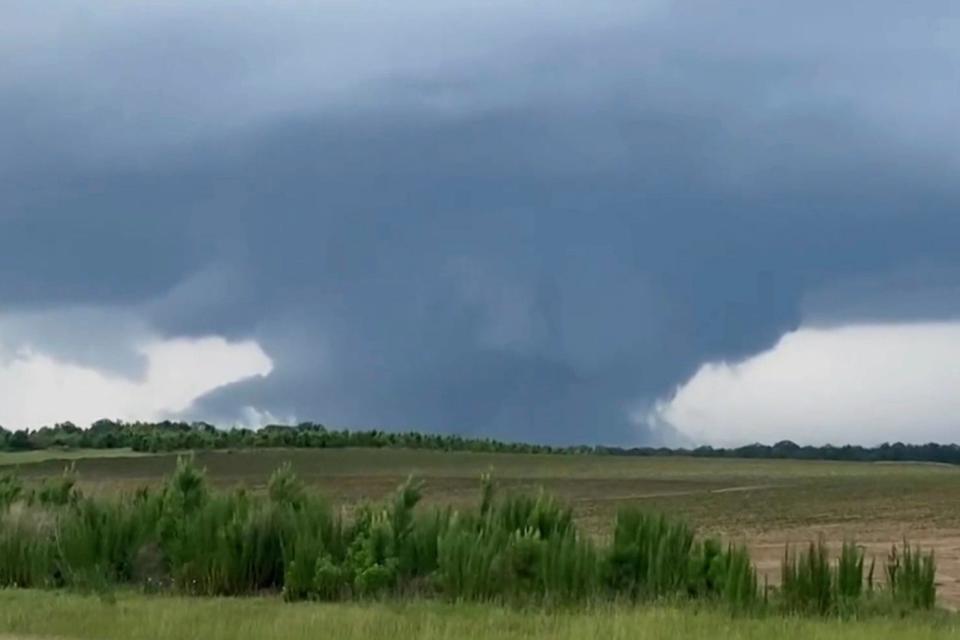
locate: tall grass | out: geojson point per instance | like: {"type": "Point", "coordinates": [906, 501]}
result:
{"type": "Point", "coordinates": [654, 557]}
{"type": "Point", "coordinates": [519, 548]}
{"type": "Point", "coordinates": [812, 583]}
{"type": "Point", "coordinates": [911, 577]}
{"type": "Point", "coordinates": [808, 580]}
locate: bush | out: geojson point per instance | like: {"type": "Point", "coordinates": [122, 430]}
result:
{"type": "Point", "coordinates": [650, 556]}
{"type": "Point", "coordinates": [911, 577]}
{"type": "Point", "coordinates": [284, 488]}
{"type": "Point", "coordinates": [806, 582]}
{"type": "Point", "coordinates": [10, 490]}
{"type": "Point", "coordinates": [187, 488]}
{"type": "Point", "coordinates": [470, 562]}
{"type": "Point", "coordinates": [59, 491]}
{"type": "Point", "coordinates": [26, 549]}
{"type": "Point", "coordinates": [330, 581]}
{"type": "Point", "coordinates": [849, 575]}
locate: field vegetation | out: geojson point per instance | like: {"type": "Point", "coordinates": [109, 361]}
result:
{"type": "Point", "coordinates": [517, 548]}
{"type": "Point", "coordinates": [112, 560]}
{"type": "Point", "coordinates": [749, 499]}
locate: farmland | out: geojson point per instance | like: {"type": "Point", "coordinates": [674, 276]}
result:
{"type": "Point", "coordinates": [730, 497]}
{"type": "Point", "coordinates": [764, 504]}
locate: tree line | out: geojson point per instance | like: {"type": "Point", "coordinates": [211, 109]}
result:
{"type": "Point", "coordinates": [171, 436]}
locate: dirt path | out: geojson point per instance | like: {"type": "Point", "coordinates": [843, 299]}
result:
{"type": "Point", "coordinates": [676, 494]}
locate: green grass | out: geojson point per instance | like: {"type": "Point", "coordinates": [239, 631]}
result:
{"type": "Point", "coordinates": [64, 616]}
{"type": "Point", "coordinates": [44, 455]}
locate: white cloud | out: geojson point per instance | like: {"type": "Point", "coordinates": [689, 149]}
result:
{"type": "Point", "coordinates": [37, 388]}
{"type": "Point", "coordinates": [253, 418]}
{"type": "Point", "coordinates": [855, 384]}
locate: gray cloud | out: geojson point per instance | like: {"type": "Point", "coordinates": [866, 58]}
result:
{"type": "Point", "coordinates": [517, 220]}
{"type": "Point", "coordinates": [917, 293]}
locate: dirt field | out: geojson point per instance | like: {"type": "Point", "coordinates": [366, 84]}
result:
{"type": "Point", "coordinates": [764, 503]}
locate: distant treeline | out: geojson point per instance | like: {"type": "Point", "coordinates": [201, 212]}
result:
{"type": "Point", "coordinates": [180, 436]}
{"type": "Point", "coordinates": [170, 436]}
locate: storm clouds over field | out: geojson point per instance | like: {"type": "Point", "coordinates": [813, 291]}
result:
{"type": "Point", "coordinates": [628, 222]}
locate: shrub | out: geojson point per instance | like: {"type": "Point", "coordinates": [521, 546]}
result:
{"type": "Point", "coordinates": [849, 575]}
{"type": "Point", "coordinates": [26, 549]}
{"type": "Point", "coordinates": [59, 491]}
{"type": "Point", "coordinates": [470, 562]}
{"type": "Point", "coordinates": [10, 490]}
{"type": "Point", "coordinates": [911, 577]}
{"type": "Point", "coordinates": [728, 575]}
{"type": "Point", "coordinates": [806, 582]}
{"type": "Point", "coordinates": [284, 488]}
{"type": "Point", "coordinates": [186, 490]}
{"type": "Point", "coordinates": [650, 556]}
{"type": "Point", "coordinates": [811, 583]}
{"type": "Point", "coordinates": [518, 513]}
{"type": "Point", "coordinates": [330, 580]}
{"type": "Point", "coordinates": [569, 568]}
{"type": "Point", "coordinates": [301, 555]}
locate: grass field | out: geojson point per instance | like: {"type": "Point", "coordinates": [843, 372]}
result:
{"type": "Point", "coordinates": [764, 503]}
{"type": "Point", "coordinates": [25, 457]}
{"type": "Point", "coordinates": [59, 616]}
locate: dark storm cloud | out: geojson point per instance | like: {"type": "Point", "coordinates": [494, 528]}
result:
{"type": "Point", "coordinates": [530, 227]}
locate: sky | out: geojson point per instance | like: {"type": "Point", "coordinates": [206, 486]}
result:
{"type": "Point", "coordinates": [622, 222]}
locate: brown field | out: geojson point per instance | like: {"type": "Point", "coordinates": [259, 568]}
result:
{"type": "Point", "coordinates": [764, 503]}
